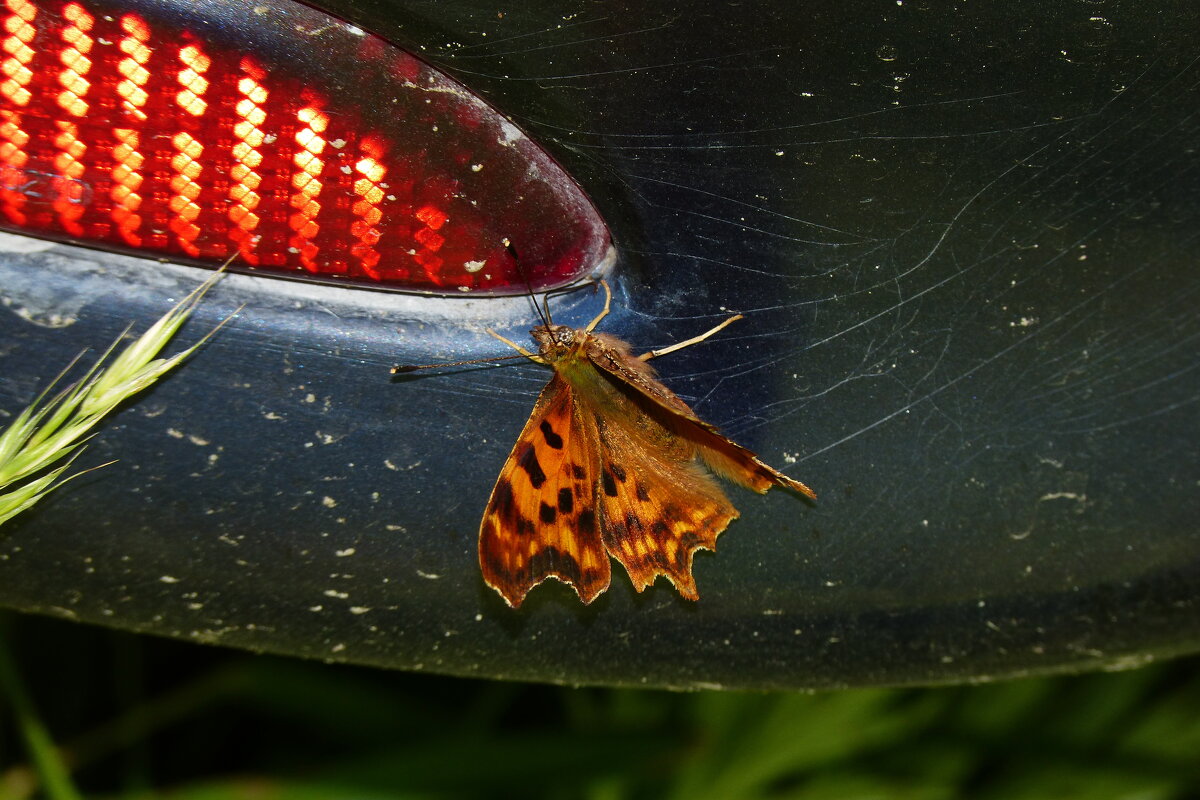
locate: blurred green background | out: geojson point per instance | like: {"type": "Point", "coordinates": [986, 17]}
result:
{"type": "Point", "coordinates": [143, 717]}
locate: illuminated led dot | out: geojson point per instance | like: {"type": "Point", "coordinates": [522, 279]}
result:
{"type": "Point", "coordinates": [74, 59]}
{"type": "Point", "coordinates": [368, 191]}
{"type": "Point", "coordinates": [18, 25]}
{"type": "Point", "coordinates": [191, 78]}
{"type": "Point", "coordinates": [183, 183]}
{"type": "Point", "coordinates": [310, 140]}
{"type": "Point", "coordinates": [246, 153]}
{"type": "Point", "coordinates": [254, 92]}
{"type": "Point", "coordinates": [135, 75]}
{"type": "Point", "coordinates": [247, 158]}
{"type": "Point", "coordinates": [137, 28]}
{"type": "Point", "coordinates": [306, 180]}
{"type": "Point", "coordinates": [367, 208]}
{"type": "Point", "coordinates": [69, 168]}
{"type": "Point", "coordinates": [188, 168]}
{"type": "Point", "coordinates": [372, 169]}
{"type": "Point", "coordinates": [310, 166]}
{"type": "Point", "coordinates": [250, 112]}
{"type": "Point", "coordinates": [431, 217]}
{"type": "Point", "coordinates": [429, 240]}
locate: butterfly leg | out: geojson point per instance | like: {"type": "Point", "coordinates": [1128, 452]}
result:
{"type": "Point", "coordinates": [517, 347]}
{"type": "Point", "coordinates": [604, 313]}
{"type": "Point", "coordinates": [688, 342]}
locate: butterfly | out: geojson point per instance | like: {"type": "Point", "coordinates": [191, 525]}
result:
{"type": "Point", "coordinates": [610, 464]}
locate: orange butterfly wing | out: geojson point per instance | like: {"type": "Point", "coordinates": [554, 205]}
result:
{"type": "Point", "coordinates": [657, 506]}
{"type": "Point", "coordinates": [541, 520]}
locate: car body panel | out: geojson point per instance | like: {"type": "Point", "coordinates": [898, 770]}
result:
{"type": "Point", "coordinates": [963, 240]}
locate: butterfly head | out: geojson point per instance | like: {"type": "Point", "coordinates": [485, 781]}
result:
{"type": "Point", "coordinates": [554, 339]}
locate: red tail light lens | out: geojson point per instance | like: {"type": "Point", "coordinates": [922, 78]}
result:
{"type": "Point", "coordinates": [275, 132]}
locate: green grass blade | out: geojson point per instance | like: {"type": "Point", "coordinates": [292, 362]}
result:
{"type": "Point", "coordinates": [50, 430]}
{"type": "Point", "coordinates": [26, 495]}
{"type": "Point", "coordinates": [55, 777]}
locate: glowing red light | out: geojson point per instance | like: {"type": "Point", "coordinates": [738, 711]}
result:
{"type": "Point", "coordinates": [19, 25]}
{"type": "Point", "coordinates": [128, 129]}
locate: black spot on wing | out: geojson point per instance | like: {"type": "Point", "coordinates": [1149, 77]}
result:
{"type": "Point", "coordinates": [505, 506]}
{"type": "Point", "coordinates": [552, 561]}
{"type": "Point", "coordinates": [641, 493]}
{"type": "Point", "coordinates": [502, 498]}
{"type": "Point", "coordinates": [587, 521]}
{"type": "Point", "coordinates": [606, 480]}
{"type": "Point", "coordinates": [578, 472]}
{"type": "Point", "coordinates": [618, 472]}
{"type": "Point", "coordinates": [566, 501]}
{"type": "Point", "coordinates": [547, 513]}
{"type": "Point", "coordinates": [528, 461]}
{"type": "Point", "coordinates": [514, 581]}
{"type": "Point", "coordinates": [552, 438]}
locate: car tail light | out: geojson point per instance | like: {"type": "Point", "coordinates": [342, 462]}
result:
{"type": "Point", "coordinates": [270, 132]}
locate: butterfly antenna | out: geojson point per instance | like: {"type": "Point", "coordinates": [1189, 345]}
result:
{"type": "Point", "coordinates": [400, 368]}
{"type": "Point", "coordinates": [542, 311]}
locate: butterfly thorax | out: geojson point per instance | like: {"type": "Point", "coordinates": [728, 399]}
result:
{"type": "Point", "coordinates": [573, 354]}
{"type": "Point", "coordinates": [599, 366]}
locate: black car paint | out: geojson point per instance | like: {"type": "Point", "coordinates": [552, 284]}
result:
{"type": "Point", "coordinates": [964, 241]}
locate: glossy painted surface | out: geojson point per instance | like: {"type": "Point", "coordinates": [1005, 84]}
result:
{"type": "Point", "coordinates": [964, 243]}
